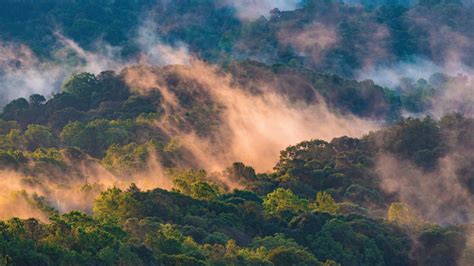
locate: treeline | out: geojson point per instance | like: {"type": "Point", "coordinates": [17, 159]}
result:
{"type": "Point", "coordinates": [86, 97]}
{"type": "Point", "coordinates": [323, 204]}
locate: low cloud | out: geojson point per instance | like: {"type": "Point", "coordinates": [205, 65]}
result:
{"type": "Point", "coordinates": [312, 41]}
{"type": "Point", "coordinates": [254, 9]}
{"type": "Point", "coordinates": [391, 75]}
{"type": "Point", "coordinates": [435, 196]}
{"type": "Point", "coordinates": [23, 74]}
{"type": "Point", "coordinates": [76, 190]}
{"type": "Point", "coordinates": [154, 51]}
{"type": "Point", "coordinates": [254, 127]}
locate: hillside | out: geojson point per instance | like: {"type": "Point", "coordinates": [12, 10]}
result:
{"type": "Point", "coordinates": [236, 132]}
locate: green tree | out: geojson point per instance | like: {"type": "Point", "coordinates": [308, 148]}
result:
{"type": "Point", "coordinates": [114, 206]}
{"type": "Point", "coordinates": [37, 100]}
{"type": "Point", "coordinates": [75, 134]}
{"type": "Point", "coordinates": [325, 203]}
{"type": "Point", "coordinates": [283, 251]}
{"type": "Point", "coordinates": [127, 159]}
{"type": "Point", "coordinates": [194, 183]}
{"type": "Point", "coordinates": [338, 241]}
{"type": "Point", "coordinates": [81, 85]}
{"type": "Point", "coordinates": [7, 126]}
{"type": "Point", "coordinates": [281, 200]}
{"type": "Point", "coordinates": [40, 136]}
{"type": "Point", "coordinates": [16, 105]}
{"type": "Point", "coordinates": [204, 191]}
{"type": "Point", "coordinates": [402, 214]}
{"type": "Point", "coordinates": [12, 140]}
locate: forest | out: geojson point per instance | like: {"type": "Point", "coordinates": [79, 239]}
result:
{"type": "Point", "coordinates": [236, 132]}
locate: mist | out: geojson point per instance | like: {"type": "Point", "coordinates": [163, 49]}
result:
{"type": "Point", "coordinates": [23, 74]}
{"type": "Point", "coordinates": [254, 9]}
{"type": "Point", "coordinates": [253, 127]}
{"type": "Point", "coordinates": [437, 197]}
{"type": "Point", "coordinates": [76, 190]}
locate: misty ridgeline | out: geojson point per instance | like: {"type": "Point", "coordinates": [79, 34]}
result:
{"type": "Point", "coordinates": [237, 132]}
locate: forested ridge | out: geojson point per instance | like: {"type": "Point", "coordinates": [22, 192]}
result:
{"type": "Point", "coordinates": [206, 133]}
{"type": "Point", "coordinates": [346, 37]}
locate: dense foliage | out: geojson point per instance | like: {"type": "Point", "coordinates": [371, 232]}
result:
{"type": "Point", "coordinates": [378, 32]}
{"type": "Point", "coordinates": [78, 161]}
{"type": "Point", "coordinates": [322, 204]}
